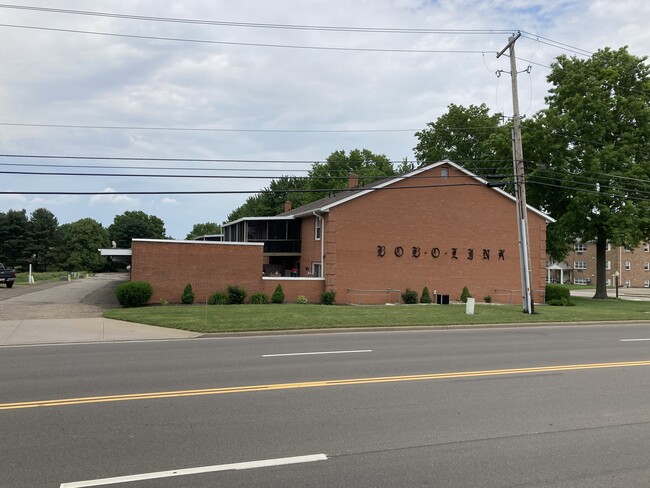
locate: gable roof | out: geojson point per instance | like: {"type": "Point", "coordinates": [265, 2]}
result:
{"type": "Point", "coordinates": [325, 204]}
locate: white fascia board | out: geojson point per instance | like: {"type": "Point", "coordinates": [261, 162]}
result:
{"type": "Point", "coordinates": [209, 243]}
{"type": "Point", "coordinates": [275, 217]}
{"type": "Point", "coordinates": [115, 252]}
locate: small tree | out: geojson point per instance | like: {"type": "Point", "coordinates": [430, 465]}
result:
{"type": "Point", "coordinates": [188, 295]}
{"type": "Point", "coordinates": [278, 295]}
{"type": "Point", "coordinates": [426, 297]}
{"type": "Point", "coordinates": [465, 295]}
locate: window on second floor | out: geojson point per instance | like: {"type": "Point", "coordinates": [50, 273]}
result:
{"type": "Point", "coordinates": [317, 228]}
{"type": "Point", "coordinates": [628, 265]}
{"type": "Point", "coordinates": [579, 247]}
{"type": "Point", "coordinates": [608, 265]}
{"type": "Point", "coordinates": [580, 265]}
{"type": "Point", "coordinates": [646, 247]}
{"type": "Point", "coordinates": [646, 266]}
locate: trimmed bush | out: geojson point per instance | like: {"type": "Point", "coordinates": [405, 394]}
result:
{"type": "Point", "coordinates": [188, 295]}
{"type": "Point", "coordinates": [557, 292]}
{"type": "Point", "coordinates": [259, 299]}
{"type": "Point", "coordinates": [278, 295]}
{"type": "Point", "coordinates": [465, 295]}
{"type": "Point", "coordinates": [302, 300]}
{"type": "Point", "coordinates": [560, 302]}
{"type": "Point", "coordinates": [218, 298]}
{"type": "Point", "coordinates": [426, 296]}
{"type": "Point", "coordinates": [236, 295]}
{"type": "Point", "coordinates": [328, 298]}
{"type": "Point", "coordinates": [409, 296]}
{"type": "Point", "coordinates": [487, 299]}
{"type": "Point", "coordinates": [134, 293]}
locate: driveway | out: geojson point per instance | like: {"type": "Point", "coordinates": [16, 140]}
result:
{"type": "Point", "coordinates": [82, 298]}
{"type": "Point", "coordinates": [70, 312]}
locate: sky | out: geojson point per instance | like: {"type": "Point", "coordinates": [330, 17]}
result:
{"type": "Point", "coordinates": [146, 99]}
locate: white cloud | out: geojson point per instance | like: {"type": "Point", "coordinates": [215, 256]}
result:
{"type": "Point", "coordinates": [110, 198]}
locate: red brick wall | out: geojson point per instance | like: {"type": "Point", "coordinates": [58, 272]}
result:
{"type": "Point", "coordinates": [310, 288]}
{"type": "Point", "coordinates": [209, 266]}
{"type": "Point", "coordinates": [310, 248]}
{"type": "Point", "coordinates": [461, 217]}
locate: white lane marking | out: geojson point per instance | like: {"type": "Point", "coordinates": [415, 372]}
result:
{"type": "Point", "coordinates": [265, 463]}
{"type": "Point", "coordinates": [633, 340]}
{"type": "Point", "coordinates": [314, 353]}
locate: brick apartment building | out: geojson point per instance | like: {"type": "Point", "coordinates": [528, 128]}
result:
{"type": "Point", "coordinates": [439, 226]}
{"type": "Point", "coordinates": [579, 267]}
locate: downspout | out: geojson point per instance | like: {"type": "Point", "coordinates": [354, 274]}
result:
{"type": "Point", "coordinates": [319, 215]}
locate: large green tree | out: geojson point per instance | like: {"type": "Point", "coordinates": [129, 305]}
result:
{"type": "Point", "coordinates": [591, 156]}
{"type": "Point", "coordinates": [205, 229]}
{"type": "Point", "coordinates": [42, 238]}
{"type": "Point", "coordinates": [135, 225]}
{"type": "Point", "coordinates": [469, 136]}
{"type": "Point", "coordinates": [270, 201]}
{"type": "Point", "coordinates": [79, 244]}
{"type": "Point", "coordinates": [323, 179]}
{"type": "Point", "coordinates": [13, 248]}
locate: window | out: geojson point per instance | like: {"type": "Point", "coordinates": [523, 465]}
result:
{"type": "Point", "coordinates": [646, 266]}
{"type": "Point", "coordinates": [581, 281]}
{"type": "Point", "coordinates": [608, 265]}
{"type": "Point", "coordinates": [628, 265]}
{"type": "Point", "coordinates": [444, 173]}
{"type": "Point", "coordinates": [646, 284]}
{"type": "Point", "coordinates": [646, 247]}
{"type": "Point", "coordinates": [317, 228]}
{"type": "Point", "coordinates": [580, 247]}
{"type": "Point", "coordinates": [580, 264]}
{"type": "Point", "coordinates": [609, 246]}
{"type": "Point", "coordinates": [609, 282]}
{"type": "Point", "coordinates": [316, 269]}
{"type": "Point", "coordinates": [628, 283]}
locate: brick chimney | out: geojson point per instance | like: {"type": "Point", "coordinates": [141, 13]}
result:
{"type": "Point", "coordinates": [353, 181]}
{"type": "Point", "coordinates": [287, 206]}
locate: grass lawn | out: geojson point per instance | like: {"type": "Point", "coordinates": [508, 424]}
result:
{"type": "Point", "coordinates": [241, 318]}
{"type": "Point", "coordinates": [23, 278]}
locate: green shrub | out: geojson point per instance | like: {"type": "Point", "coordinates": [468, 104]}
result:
{"type": "Point", "coordinates": [236, 295]}
{"type": "Point", "coordinates": [465, 295]}
{"type": "Point", "coordinates": [188, 295]}
{"type": "Point", "coordinates": [487, 299]}
{"type": "Point", "coordinates": [557, 292]}
{"type": "Point", "coordinates": [302, 300]}
{"type": "Point", "coordinates": [328, 298]}
{"type": "Point", "coordinates": [218, 298]}
{"type": "Point", "coordinates": [426, 296]}
{"type": "Point", "coordinates": [278, 295]}
{"type": "Point", "coordinates": [259, 299]}
{"type": "Point", "coordinates": [409, 296]}
{"type": "Point", "coordinates": [560, 302]}
{"type": "Point", "coordinates": [134, 293]}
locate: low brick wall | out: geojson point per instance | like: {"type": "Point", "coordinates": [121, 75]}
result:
{"type": "Point", "coordinates": [209, 266]}
{"type": "Point", "coordinates": [310, 288]}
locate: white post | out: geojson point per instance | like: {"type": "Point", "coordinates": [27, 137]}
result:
{"type": "Point", "coordinates": [30, 280]}
{"type": "Point", "coordinates": [469, 307]}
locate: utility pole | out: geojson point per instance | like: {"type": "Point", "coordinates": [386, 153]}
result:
{"type": "Point", "coordinates": [520, 184]}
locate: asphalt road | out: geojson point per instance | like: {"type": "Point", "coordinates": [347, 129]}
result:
{"type": "Point", "coordinates": [582, 419]}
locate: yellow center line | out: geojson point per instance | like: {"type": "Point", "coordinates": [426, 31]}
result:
{"type": "Point", "coordinates": [316, 384]}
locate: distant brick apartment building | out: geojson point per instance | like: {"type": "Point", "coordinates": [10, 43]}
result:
{"type": "Point", "coordinates": [439, 226]}
{"type": "Point", "coordinates": [579, 267]}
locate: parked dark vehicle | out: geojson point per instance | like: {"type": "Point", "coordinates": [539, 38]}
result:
{"type": "Point", "coordinates": [7, 276]}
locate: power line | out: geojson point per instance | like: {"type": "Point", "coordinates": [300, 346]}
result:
{"type": "Point", "coordinates": [251, 44]}
{"type": "Point", "coordinates": [222, 23]}
{"type": "Point", "coordinates": [202, 129]}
